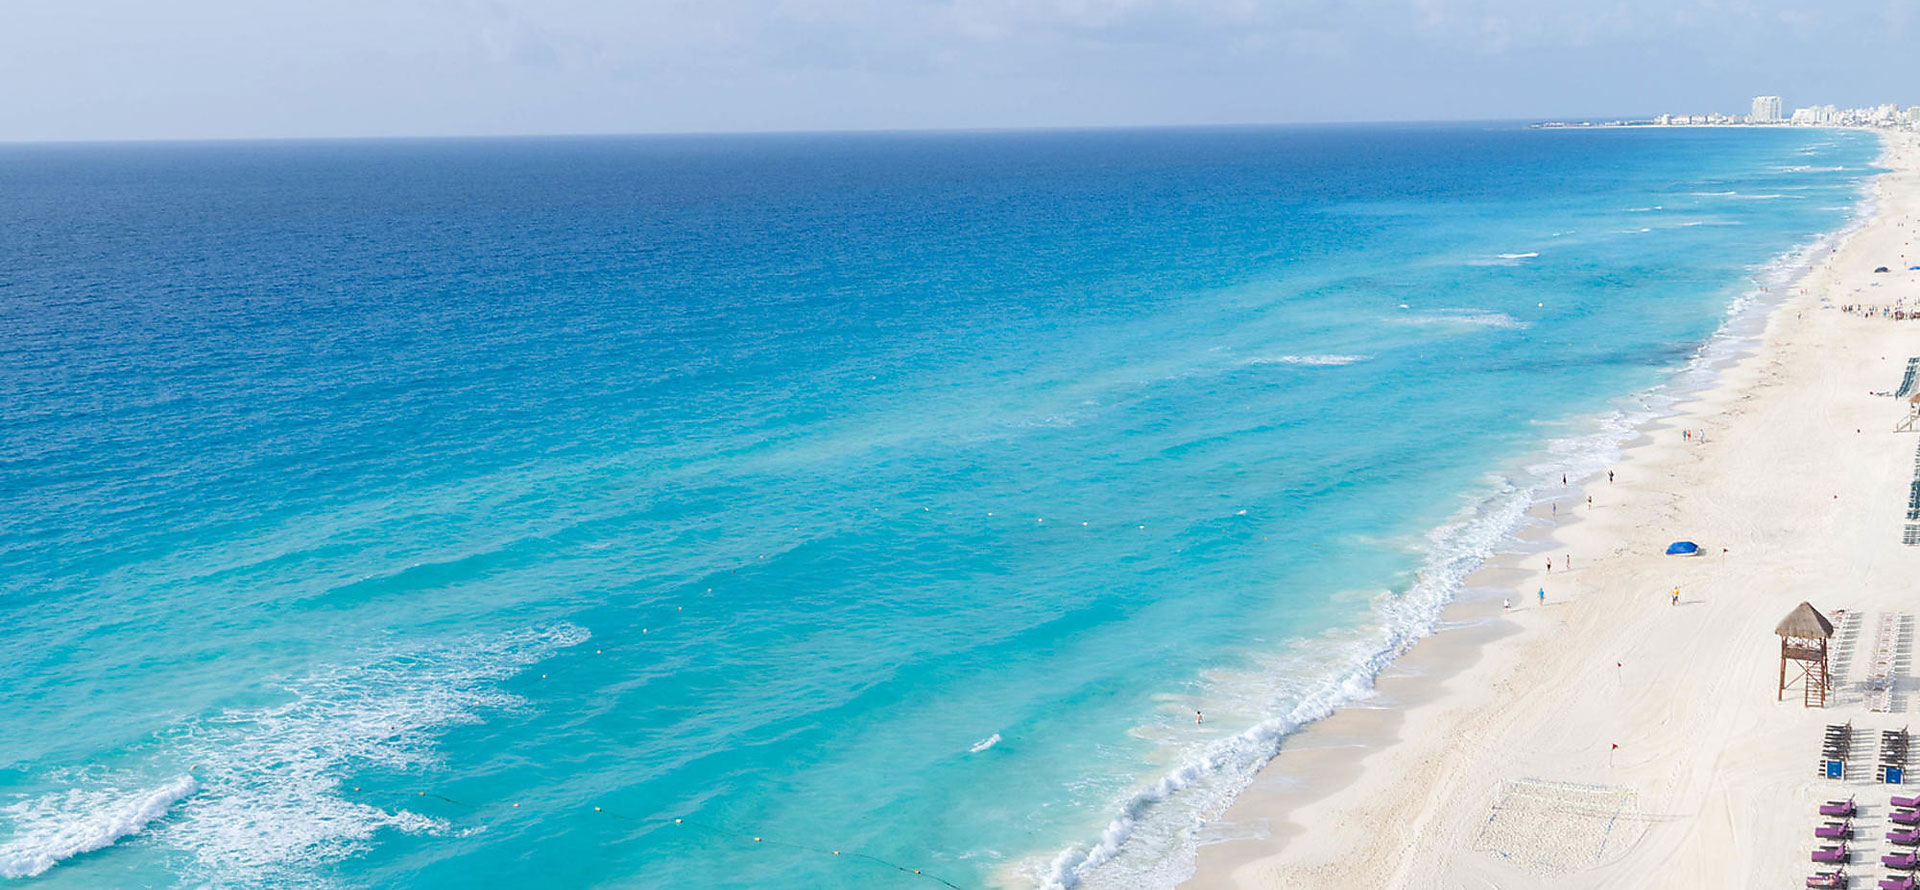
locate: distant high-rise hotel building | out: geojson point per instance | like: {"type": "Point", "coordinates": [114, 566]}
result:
{"type": "Point", "coordinates": [1766, 109]}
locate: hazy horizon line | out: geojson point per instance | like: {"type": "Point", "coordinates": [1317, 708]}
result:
{"type": "Point", "coordinates": [849, 131]}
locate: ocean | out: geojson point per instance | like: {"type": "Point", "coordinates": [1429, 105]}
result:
{"type": "Point", "coordinates": [840, 511]}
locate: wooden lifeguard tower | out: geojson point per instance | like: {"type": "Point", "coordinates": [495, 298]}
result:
{"type": "Point", "coordinates": [1912, 421]}
{"type": "Point", "coordinates": [1803, 640]}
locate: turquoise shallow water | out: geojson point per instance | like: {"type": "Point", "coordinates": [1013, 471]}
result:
{"type": "Point", "coordinates": [462, 514]}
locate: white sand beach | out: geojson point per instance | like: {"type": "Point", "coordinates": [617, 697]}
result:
{"type": "Point", "coordinates": [1489, 759]}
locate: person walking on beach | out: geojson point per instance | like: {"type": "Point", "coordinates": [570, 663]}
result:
{"type": "Point", "coordinates": [1589, 502]}
{"type": "Point", "coordinates": [1609, 477]}
{"type": "Point", "coordinates": [1543, 596]}
{"type": "Point", "coordinates": [1197, 719]}
{"type": "Point", "coordinates": [1676, 596]}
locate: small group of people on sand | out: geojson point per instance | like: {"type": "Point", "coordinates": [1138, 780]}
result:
{"type": "Point", "coordinates": [1897, 311]}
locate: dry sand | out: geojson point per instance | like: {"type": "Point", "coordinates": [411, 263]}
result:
{"type": "Point", "coordinates": [1488, 760]}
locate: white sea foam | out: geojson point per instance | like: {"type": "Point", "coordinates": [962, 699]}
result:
{"type": "Point", "coordinates": [1486, 318]}
{"type": "Point", "coordinates": [1151, 843]}
{"type": "Point", "coordinates": [985, 743]}
{"type": "Point", "coordinates": [1504, 259]}
{"type": "Point", "coordinates": [264, 806]}
{"type": "Point", "coordinates": [272, 808]}
{"type": "Point", "coordinates": [55, 827]}
{"type": "Point", "coordinates": [1312, 360]}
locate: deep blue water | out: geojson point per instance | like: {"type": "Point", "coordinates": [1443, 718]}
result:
{"type": "Point", "coordinates": [461, 514]}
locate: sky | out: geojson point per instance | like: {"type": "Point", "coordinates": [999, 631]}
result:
{"type": "Point", "coordinates": [211, 69]}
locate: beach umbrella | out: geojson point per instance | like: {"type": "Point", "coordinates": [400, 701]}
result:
{"type": "Point", "coordinates": [1683, 548]}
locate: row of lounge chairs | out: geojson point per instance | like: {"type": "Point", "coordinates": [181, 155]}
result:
{"type": "Point", "coordinates": [1905, 816]}
{"type": "Point", "coordinates": [1836, 748]}
{"type": "Point", "coordinates": [1907, 380]}
{"type": "Point", "coordinates": [1842, 831]}
{"type": "Point", "coordinates": [1888, 643]}
{"type": "Point", "coordinates": [1892, 769]}
{"type": "Point", "coordinates": [1906, 812]}
{"type": "Point", "coordinates": [1912, 535]}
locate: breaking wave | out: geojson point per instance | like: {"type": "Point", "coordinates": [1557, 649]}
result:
{"type": "Point", "coordinates": [264, 805]}
{"type": "Point", "coordinates": [55, 827]}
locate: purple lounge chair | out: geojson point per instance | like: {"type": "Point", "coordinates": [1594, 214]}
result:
{"type": "Point", "coordinates": [1906, 802]}
{"type": "Point", "coordinates": [1904, 817]}
{"type": "Point", "coordinates": [1828, 880]}
{"type": "Point", "coordinates": [1837, 808]}
{"type": "Point", "coordinates": [1831, 854]}
{"type": "Point", "coordinates": [1909, 838]}
{"type": "Point", "coordinates": [1897, 883]}
{"type": "Point", "coordinates": [1835, 831]}
{"type": "Point", "coordinates": [1908, 861]}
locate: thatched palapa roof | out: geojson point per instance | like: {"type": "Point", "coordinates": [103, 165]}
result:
{"type": "Point", "coordinates": [1805, 622]}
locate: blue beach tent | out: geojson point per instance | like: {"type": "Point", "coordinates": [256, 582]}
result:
{"type": "Point", "coordinates": [1683, 548]}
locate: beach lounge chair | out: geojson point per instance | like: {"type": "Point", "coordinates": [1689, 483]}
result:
{"type": "Point", "coordinates": [1908, 861]}
{"type": "Point", "coordinates": [1837, 808]}
{"type": "Point", "coordinates": [1904, 817]}
{"type": "Point", "coordinates": [1906, 803]}
{"type": "Point", "coordinates": [1834, 831]}
{"type": "Point", "coordinates": [1898, 882]}
{"type": "Point", "coordinates": [1908, 838]}
{"type": "Point", "coordinates": [1827, 879]}
{"type": "Point", "coordinates": [1831, 854]}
